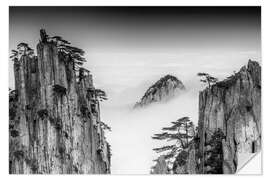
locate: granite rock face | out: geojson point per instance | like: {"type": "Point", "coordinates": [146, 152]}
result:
{"type": "Point", "coordinates": [163, 90]}
{"type": "Point", "coordinates": [234, 106]}
{"type": "Point", "coordinates": [160, 166]}
{"type": "Point", "coordinates": [191, 164]}
{"type": "Point", "coordinates": [54, 124]}
{"type": "Point", "coordinates": [186, 161]}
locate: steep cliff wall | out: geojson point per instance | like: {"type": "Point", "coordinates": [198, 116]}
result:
{"type": "Point", "coordinates": [55, 122]}
{"type": "Point", "coordinates": [234, 106]}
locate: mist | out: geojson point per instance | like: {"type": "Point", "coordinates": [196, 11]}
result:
{"type": "Point", "coordinates": [132, 130]}
{"type": "Point", "coordinates": [129, 49]}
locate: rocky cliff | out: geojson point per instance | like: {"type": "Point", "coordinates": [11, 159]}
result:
{"type": "Point", "coordinates": [54, 125]}
{"type": "Point", "coordinates": [164, 89]}
{"type": "Point", "coordinates": [234, 106]}
{"type": "Point", "coordinates": [160, 167]}
{"type": "Point", "coordinates": [229, 127]}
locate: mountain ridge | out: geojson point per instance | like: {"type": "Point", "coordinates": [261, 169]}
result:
{"type": "Point", "coordinates": [162, 90]}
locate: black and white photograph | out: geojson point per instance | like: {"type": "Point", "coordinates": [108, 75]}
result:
{"type": "Point", "coordinates": [134, 90]}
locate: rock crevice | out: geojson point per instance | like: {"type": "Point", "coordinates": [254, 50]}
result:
{"type": "Point", "coordinates": [234, 106]}
{"type": "Point", "coordinates": [55, 127]}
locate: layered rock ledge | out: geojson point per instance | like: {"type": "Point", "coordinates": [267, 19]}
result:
{"type": "Point", "coordinates": [55, 125]}
{"type": "Point", "coordinates": [234, 106]}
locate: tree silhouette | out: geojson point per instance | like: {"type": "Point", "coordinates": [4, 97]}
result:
{"type": "Point", "coordinates": [164, 148]}
{"type": "Point", "coordinates": [22, 44]}
{"type": "Point", "coordinates": [208, 79]}
{"type": "Point", "coordinates": [21, 49]}
{"type": "Point", "coordinates": [64, 47]}
{"type": "Point", "coordinates": [76, 55]}
{"type": "Point", "coordinates": [14, 55]}
{"type": "Point", "coordinates": [82, 73]}
{"type": "Point", "coordinates": [101, 95]}
{"type": "Point", "coordinates": [59, 40]}
{"type": "Point", "coordinates": [181, 131]}
{"type": "Point", "coordinates": [24, 49]}
{"type": "Point", "coordinates": [13, 95]}
{"type": "Point", "coordinates": [104, 126]}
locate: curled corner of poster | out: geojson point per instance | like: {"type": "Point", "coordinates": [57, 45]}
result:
{"type": "Point", "coordinates": [252, 165]}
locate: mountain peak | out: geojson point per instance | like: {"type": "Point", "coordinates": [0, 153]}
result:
{"type": "Point", "coordinates": [164, 89]}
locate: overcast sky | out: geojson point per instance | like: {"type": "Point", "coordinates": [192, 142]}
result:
{"type": "Point", "coordinates": [143, 42]}
{"type": "Point", "coordinates": [129, 48]}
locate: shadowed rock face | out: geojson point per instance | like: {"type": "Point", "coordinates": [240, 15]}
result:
{"type": "Point", "coordinates": [54, 118]}
{"type": "Point", "coordinates": [234, 106]}
{"type": "Point", "coordinates": [185, 162]}
{"type": "Point", "coordinates": [160, 166]}
{"type": "Point", "coordinates": [163, 90]}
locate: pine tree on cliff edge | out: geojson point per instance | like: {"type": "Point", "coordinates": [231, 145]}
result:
{"type": "Point", "coordinates": [74, 53]}
{"type": "Point", "coordinates": [182, 132]}
{"type": "Point", "coordinates": [207, 79]}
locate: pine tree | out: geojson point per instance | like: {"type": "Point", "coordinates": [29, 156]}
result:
{"type": "Point", "coordinates": [21, 49]}
{"type": "Point", "coordinates": [64, 47]}
{"type": "Point", "coordinates": [14, 55]}
{"type": "Point", "coordinates": [104, 126]}
{"type": "Point", "coordinates": [181, 132]}
{"type": "Point", "coordinates": [101, 95]}
{"type": "Point", "coordinates": [208, 79]}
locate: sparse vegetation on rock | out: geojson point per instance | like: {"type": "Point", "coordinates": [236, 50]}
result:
{"type": "Point", "coordinates": [163, 90]}
{"type": "Point", "coordinates": [214, 153]}
{"type": "Point", "coordinates": [66, 128]}
{"type": "Point", "coordinates": [234, 106]}
{"type": "Point", "coordinates": [207, 79]}
{"type": "Point", "coordinates": [64, 47]}
{"type": "Point", "coordinates": [226, 109]}
{"type": "Point", "coordinates": [181, 133]}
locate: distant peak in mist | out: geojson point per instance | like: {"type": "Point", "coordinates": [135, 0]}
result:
{"type": "Point", "coordinates": [163, 90]}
